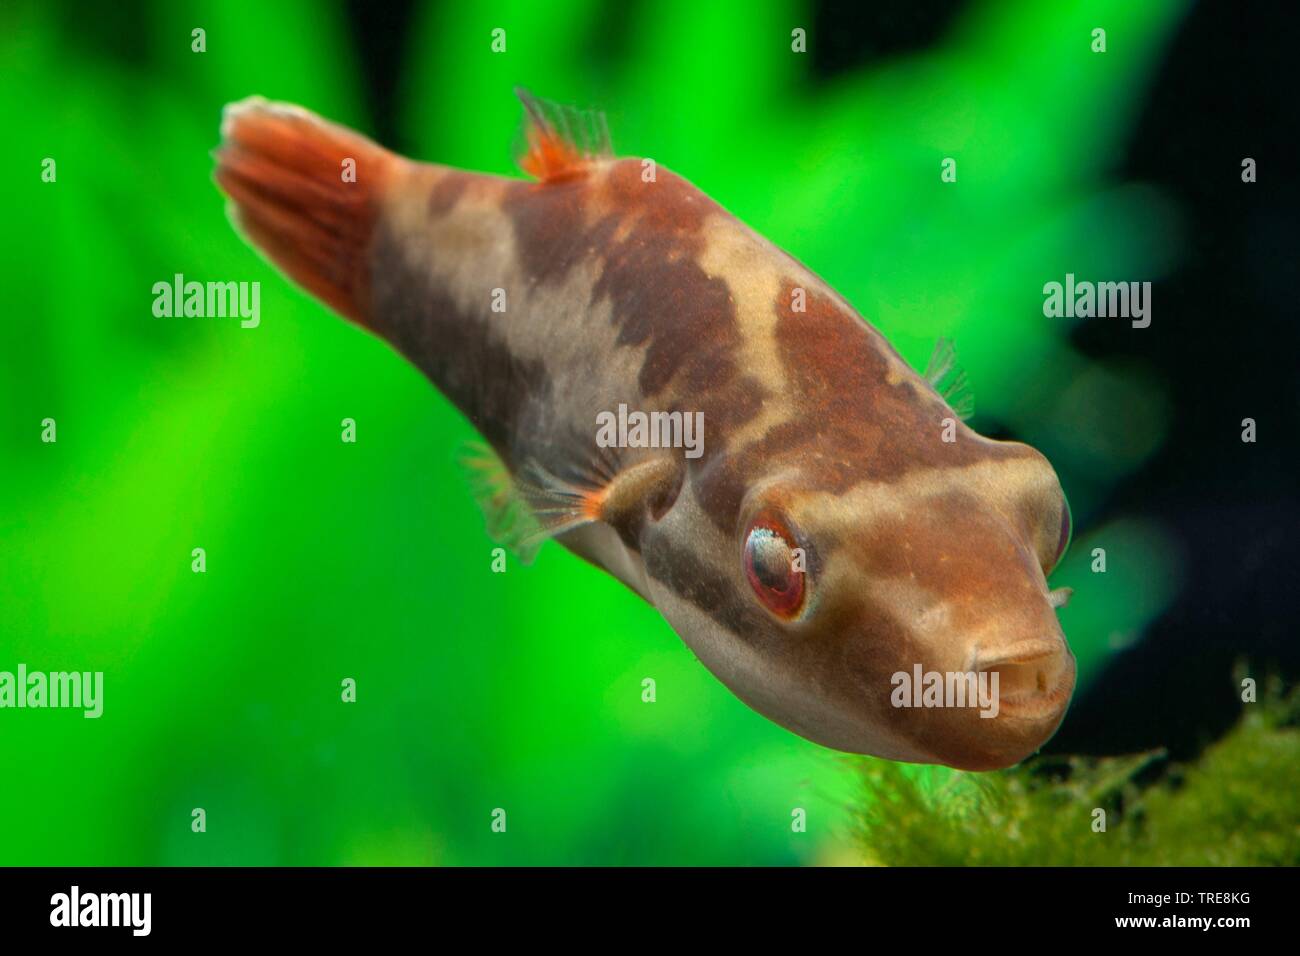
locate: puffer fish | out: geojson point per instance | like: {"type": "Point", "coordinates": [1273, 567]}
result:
{"type": "Point", "coordinates": [839, 531]}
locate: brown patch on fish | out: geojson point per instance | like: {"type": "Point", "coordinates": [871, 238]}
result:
{"type": "Point", "coordinates": [463, 354]}
{"type": "Point", "coordinates": [857, 413]}
{"type": "Point", "coordinates": [647, 238]}
{"type": "Point", "coordinates": [699, 583]}
{"type": "Point", "coordinates": [446, 191]}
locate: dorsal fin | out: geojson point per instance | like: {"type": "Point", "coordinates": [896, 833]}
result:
{"type": "Point", "coordinates": [560, 141]}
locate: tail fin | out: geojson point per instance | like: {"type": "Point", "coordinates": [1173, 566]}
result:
{"type": "Point", "coordinates": [295, 197]}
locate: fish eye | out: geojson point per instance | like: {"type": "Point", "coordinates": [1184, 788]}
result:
{"type": "Point", "coordinates": [775, 565]}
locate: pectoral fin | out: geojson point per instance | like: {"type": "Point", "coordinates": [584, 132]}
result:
{"type": "Point", "coordinates": [525, 510]}
{"type": "Point", "coordinates": [510, 521]}
{"type": "Point", "coordinates": [621, 499]}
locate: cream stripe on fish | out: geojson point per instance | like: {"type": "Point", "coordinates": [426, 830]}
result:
{"type": "Point", "coordinates": [742, 260]}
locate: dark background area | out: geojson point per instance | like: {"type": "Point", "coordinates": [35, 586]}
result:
{"type": "Point", "coordinates": [1228, 351]}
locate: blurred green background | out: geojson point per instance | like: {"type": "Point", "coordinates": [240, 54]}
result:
{"type": "Point", "coordinates": [328, 560]}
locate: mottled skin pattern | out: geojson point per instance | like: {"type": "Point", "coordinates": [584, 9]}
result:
{"type": "Point", "coordinates": [619, 290]}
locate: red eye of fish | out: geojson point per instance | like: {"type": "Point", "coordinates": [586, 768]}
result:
{"type": "Point", "coordinates": [775, 566]}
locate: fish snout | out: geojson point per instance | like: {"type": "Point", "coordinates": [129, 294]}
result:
{"type": "Point", "coordinates": [1034, 680]}
{"type": "Point", "coordinates": [1024, 689]}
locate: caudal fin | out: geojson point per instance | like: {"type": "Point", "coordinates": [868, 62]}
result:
{"type": "Point", "coordinates": [298, 199]}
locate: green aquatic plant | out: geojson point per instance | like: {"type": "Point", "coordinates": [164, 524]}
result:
{"type": "Point", "coordinates": [1234, 805]}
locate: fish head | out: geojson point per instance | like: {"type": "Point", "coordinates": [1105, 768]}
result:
{"type": "Point", "coordinates": [827, 609]}
{"type": "Point", "coordinates": [936, 582]}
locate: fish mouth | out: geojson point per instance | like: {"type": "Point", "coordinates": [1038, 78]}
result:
{"type": "Point", "coordinates": [1035, 679]}
{"type": "Point", "coordinates": [1038, 705]}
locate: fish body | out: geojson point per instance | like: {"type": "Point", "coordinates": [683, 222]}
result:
{"type": "Point", "coordinates": [838, 526]}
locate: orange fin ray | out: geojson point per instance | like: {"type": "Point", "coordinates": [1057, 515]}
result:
{"type": "Point", "coordinates": [535, 504]}
{"type": "Point", "coordinates": [524, 510]}
{"type": "Point", "coordinates": [560, 142]}
{"type": "Point", "coordinates": [509, 519]}
{"type": "Point", "coordinates": [283, 168]}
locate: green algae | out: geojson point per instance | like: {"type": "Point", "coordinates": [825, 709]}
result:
{"type": "Point", "coordinates": [1236, 804]}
